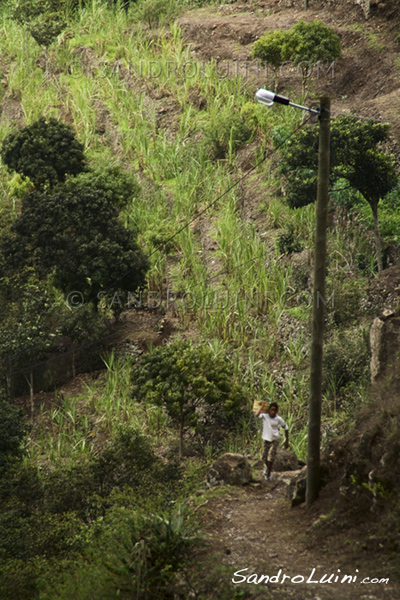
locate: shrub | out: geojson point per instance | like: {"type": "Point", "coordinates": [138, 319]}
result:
{"type": "Point", "coordinates": [288, 242]}
{"type": "Point", "coordinates": [314, 42]}
{"type": "Point", "coordinates": [13, 430]}
{"type": "Point", "coordinates": [346, 360]}
{"type": "Point", "coordinates": [150, 552]}
{"type": "Point", "coordinates": [273, 48]}
{"type": "Point", "coordinates": [45, 151]}
{"type": "Point", "coordinates": [44, 19]}
{"type": "Point", "coordinates": [127, 461]}
{"type": "Point", "coordinates": [117, 184]}
{"type": "Point", "coordinates": [183, 379]}
{"type": "Point", "coordinates": [346, 302]}
{"type": "Point", "coordinates": [305, 44]}
{"type": "Point", "coordinates": [225, 133]}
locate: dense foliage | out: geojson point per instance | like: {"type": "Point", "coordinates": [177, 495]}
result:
{"type": "Point", "coordinates": [305, 45]}
{"type": "Point", "coordinates": [13, 430]}
{"type": "Point", "coordinates": [45, 151]}
{"type": "Point", "coordinates": [81, 241]}
{"type": "Point", "coordinates": [50, 516]}
{"type": "Point", "coordinates": [44, 19]}
{"type": "Point", "coordinates": [181, 377]}
{"type": "Point", "coordinates": [357, 156]}
{"type": "Point", "coordinates": [94, 510]}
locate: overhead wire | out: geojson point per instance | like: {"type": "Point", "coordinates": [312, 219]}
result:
{"type": "Point", "coordinates": [267, 154]}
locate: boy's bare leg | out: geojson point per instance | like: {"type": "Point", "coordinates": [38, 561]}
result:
{"type": "Point", "coordinates": [269, 468]}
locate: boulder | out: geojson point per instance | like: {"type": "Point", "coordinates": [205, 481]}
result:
{"type": "Point", "coordinates": [297, 489]}
{"type": "Point", "coordinates": [231, 469]}
{"type": "Point", "coordinates": [285, 460]}
{"type": "Point", "coordinates": [385, 346]}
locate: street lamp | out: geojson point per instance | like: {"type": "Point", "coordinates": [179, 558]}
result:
{"type": "Point", "coordinates": [314, 421]}
{"type": "Point", "coordinates": [269, 98]}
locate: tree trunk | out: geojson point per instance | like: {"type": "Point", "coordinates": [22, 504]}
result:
{"type": "Point", "coordinates": [314, 422]}
{"type": "Point", "coordinates": [306, 4]}
{"type": "Point", "coordinates": [377, 238]}
{"type": "Point", "coordinates": [30, 383]}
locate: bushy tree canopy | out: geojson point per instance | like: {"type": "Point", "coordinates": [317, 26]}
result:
{"type": "Point", "coordinates": [313, 42]}
{"type": "Point", "coordinates": [117, 184]}
{"type": "Point", "coordinates": [74, 232]}
{"type": "Point", "coordinates": [305, 44]}
{"type": "Point", "coordinates": [180, 376]}
{"type": "Point", "coordinates": [273, 48]}
{"type": "Point", "coordinates": [356, 155]}
{"type": "Point", "coordinates": [44, 19]}
{"type": "Point", "coordinates": [45, 151]}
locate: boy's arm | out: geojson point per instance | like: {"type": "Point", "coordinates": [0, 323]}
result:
{"type": "Point", "coordinates": [286, 444]}
{"type": "Point", "coordinates": [286, 430]}
{"type": "Point", "coordinates": [262, 409]}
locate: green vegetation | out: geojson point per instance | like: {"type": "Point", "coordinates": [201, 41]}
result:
{"type": "Point", "coordinates": [13, 429]}
{"type": "Point", "coordinates": [305, 45]}
{"type": "Point", "coordinates": [81, 243]}
{"type": "Point", "coordinates": [183, 379]}
{"type": "Point", "coordinates": [96, 501]}
{"type": "Point", "coordinates": [46, 152]}
{"type": "Point", "coordinates": [356, 158]}
{"type": "Point", "coordinates": [44, 19]}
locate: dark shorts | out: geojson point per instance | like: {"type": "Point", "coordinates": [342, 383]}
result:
{"type": "Point", "coordinates": [270, 449]}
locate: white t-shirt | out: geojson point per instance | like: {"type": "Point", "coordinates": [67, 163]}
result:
{"type": "Point", "coordinates": [271, 426]}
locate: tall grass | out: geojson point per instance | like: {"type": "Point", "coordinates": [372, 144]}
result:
{"type": "Point", "coordinates": [127, 91]}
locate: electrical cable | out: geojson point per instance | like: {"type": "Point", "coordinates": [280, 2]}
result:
{"type": "Point", "coordinates": [267, 154]}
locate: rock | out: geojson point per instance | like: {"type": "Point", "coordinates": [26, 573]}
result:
{"type": "Point", "coordinates": [257, 464]}
{"type": "Point", "coordinates": [385, 345]}
{"type": "Point", "coordinates": [231, 469]}
{"type": "Point", "coordinates": [285, 460]}
{"type": "Point", "coordinates": [297, 490]}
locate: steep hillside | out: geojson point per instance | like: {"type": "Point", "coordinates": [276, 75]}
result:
{"type": "Point", "coordinates": [99, 503]}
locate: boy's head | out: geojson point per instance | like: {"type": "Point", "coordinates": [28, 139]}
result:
{"type": "Point", "coordinates": [273, 409]}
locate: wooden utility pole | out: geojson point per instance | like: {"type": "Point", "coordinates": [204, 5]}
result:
{"type": "Point", "coordinates": [314, 420]}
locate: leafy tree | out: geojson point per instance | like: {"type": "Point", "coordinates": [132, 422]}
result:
{"type": "Point", "coordinates": [44, 19]}
{"type": "Point", "coordinates": [273, 48]}
{"type": "Point", "coordinates": [27, 331]}
{"type": "Point", "coordinates": [75, 234]}
{"type": "Point", "coordinates": [305, 44]}
{"type": "Point", "coordinates": [45, 151]}
{"type": "Point", "coordinates": [118, 185]}
{"type": "Point", "coordinates": [312, 43]}
{"type": "Point", "coordinates": [356, 156]}
{"type": "Point", "coordinates": [180, 377]}
{"type": "Point", "coordinates": [13, 429]}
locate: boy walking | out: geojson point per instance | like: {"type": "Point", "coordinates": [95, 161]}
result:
{"type": "Point", "coordinates": [270, 434]}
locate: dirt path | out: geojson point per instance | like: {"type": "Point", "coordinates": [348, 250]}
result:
{"type": "Point", "coordinates": [255, 528]}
